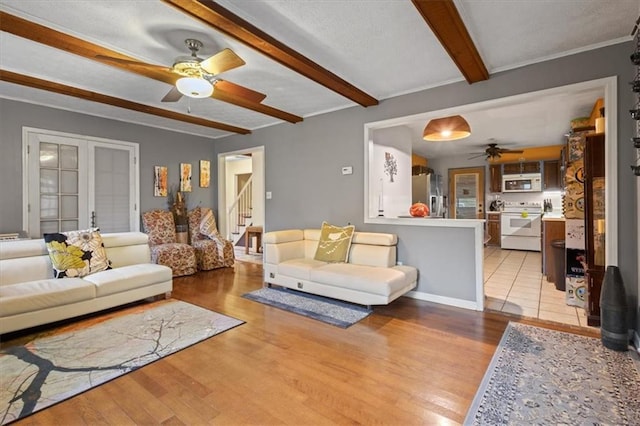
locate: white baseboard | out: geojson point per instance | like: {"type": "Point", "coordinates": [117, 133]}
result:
{"type": "Point", "coordinates": [636, 341]}
{"type": "Point", "coordinates": [458, 303]}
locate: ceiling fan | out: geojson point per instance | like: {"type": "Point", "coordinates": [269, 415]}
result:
{"type": "Point", "coordinates": [197, 77]}
{"type": "Point", "coordinates": [493, 151]}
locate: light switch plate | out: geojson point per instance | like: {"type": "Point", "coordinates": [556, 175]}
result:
{"type": "Point", "coordinates": [347, 170]}
{"type": "Point", "coordinates": [268, 195]}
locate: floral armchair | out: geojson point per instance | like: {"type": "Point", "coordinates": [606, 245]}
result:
{"type": "Point", "coordinates": [212, 250]}
{"type": "Point", "coordinates": [160, 227]}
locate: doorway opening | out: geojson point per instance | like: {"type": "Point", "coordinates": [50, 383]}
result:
{"type": "Point", "coordinates": [241, 200]}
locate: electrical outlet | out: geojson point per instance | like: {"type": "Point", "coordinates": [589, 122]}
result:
{"type": "Point", "coordinates": [347, 170]}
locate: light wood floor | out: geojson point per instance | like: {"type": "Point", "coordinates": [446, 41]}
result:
{"type": "Point", "coordinates": [412, 362]}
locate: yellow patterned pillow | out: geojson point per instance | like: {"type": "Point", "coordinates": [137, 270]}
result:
{"type": "Point", "coordinates": [77, 253]}
{"type": "Point", "coordinates": [334, 243]}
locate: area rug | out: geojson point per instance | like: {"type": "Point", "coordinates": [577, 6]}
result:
{"type": "Point", "coordinates": [62, 363]}
{"type": "Point", "coordinates": [540, 376]}
{"type": "Point", "coordinates": [330, 311]}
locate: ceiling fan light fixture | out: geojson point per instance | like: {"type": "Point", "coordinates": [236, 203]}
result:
{"type": "Point", "coordinates": [446, 129]}
{"type": "Point", "coordinates": [194, 87]}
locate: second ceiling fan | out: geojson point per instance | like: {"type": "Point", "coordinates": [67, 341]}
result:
{"type": "Point", "coordinates": [493, 151]}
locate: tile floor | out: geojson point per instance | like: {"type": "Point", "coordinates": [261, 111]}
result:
{"type": "Point", "coordinates": [513, 283]}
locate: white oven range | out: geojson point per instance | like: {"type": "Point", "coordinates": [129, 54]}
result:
{"type": "Point", "coordinates": [521, 226]}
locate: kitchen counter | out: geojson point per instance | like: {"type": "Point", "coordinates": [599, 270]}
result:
{"type": "Point", "coordinates": [553, 216]}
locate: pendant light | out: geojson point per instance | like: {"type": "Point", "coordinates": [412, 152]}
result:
{"type": "Point", "coordinates": [446, 129]}
{"type": "Point", "coordinates": [194, 87]}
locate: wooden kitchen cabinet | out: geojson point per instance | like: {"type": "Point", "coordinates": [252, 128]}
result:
{"type": "Point", "coordinates": [531, 167]}
{"type": "Point", "coordinates": [493, 228]}
{"type": "Point", "coordinates": [594, 218]}
{"type": "Point", "coordinates": [495, 178]}
{"type": "Point", "coordinates": [552, 178]}
{"type": "Point", "coordinates": [551, 230]}
{"type": "Point", "coordinates": [511, 169]}
{"type": "Point", "coordinates": [519, 168]}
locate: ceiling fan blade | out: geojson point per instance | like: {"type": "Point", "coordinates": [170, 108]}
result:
{"type": "Point", "coordinates": [173, 95]}
{"type": "Point", "coordinates": [511, 151]}
{"type": "Point", "coordinates": [477, 155]}
{"type": "Point", "coordinates": [222, 61]}
{"type": "Point", "coordinates": [241, 91]}
{"type": "Point", "coordinates": [133, 63]}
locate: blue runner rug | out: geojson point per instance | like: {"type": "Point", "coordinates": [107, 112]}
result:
{"type": "Point", "coordinates": [330, 311]}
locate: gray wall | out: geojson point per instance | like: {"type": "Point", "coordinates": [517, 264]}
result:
{"type": "Point", "coordinates": [303, 161]}
{"type": "Point", "coordinates": [157, 148]}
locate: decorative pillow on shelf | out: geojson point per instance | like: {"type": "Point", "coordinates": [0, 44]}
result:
{"type": "Point", "coordinates": [77, 253]}
{"type": "Point", "coordinates": [334, 243]}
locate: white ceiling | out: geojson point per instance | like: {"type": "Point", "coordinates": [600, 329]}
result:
{"type": "Point", "coordinates": [530, 120]}
{"type": "Point", "coordinates": [383, 47]}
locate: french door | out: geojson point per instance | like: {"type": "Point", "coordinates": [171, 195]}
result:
{"type": "Point", "coordinates": [75, 182]}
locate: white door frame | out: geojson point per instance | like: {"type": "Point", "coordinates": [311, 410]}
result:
{"type": "Point", "coordinates": [89, 142]}
{"type": "Point", "coordinates": [258, 173]}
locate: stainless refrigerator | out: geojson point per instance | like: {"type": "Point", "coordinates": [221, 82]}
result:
{"type": "Point", "coordinates": [427, 188]}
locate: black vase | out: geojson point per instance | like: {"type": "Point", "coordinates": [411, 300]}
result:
{"type": "Point", "coordinates": [613, 311]}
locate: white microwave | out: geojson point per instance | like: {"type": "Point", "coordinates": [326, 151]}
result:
{"type": "Point", "coordinates": [527, 182]}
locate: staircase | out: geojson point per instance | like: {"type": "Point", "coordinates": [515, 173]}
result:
{"type": "Point", "coordinates": [239, 213]}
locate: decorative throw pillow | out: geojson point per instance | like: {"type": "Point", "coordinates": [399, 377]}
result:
{"type": "Point", "coordinates": [77, 253]}
{"type": "Point", "coordinates": [334, 243]}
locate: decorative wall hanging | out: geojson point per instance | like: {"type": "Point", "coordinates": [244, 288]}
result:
{"type": "Point", "coordinates": [185, 177]}
{"type": "Point", "coordinates": [159, 181]}
{"type": "Point", "coordinates": [390, 165]}
{"type": "Point", "coordinates": [205, 173]}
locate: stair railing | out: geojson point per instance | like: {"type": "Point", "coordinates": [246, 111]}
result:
{"type": "Point", "coordinates": [239, 213]}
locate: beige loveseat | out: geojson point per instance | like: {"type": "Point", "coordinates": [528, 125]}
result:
{"type": "Point", "coordinates": [30, 296]}
{"type": "Point", "coordinates": [369, 277]}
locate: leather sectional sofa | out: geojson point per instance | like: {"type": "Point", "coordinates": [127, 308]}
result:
{"type": "Point", "coordinates": [370, 276]}
{"type": "Point", "coordinates": [30, 296]}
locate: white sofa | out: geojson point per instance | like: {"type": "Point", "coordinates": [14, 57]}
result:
{"type": "Point", "coordinates": [369, 277]}
{"type": "Point", "coordinates": [30, 296]}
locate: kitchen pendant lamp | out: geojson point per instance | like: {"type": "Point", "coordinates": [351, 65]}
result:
{"type": "Point", "coordinates": [194, 87]}
{"type": "Point", "coordinates": [446, 129]}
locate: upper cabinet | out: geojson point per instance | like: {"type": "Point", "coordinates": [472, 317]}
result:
{"type": "Point", "coordinates": [552, 175]}
{"type": "Point", "coordinates": [551, 170]}
{"type": "Point", "coordinates": [523, 167]}
{"type": "Point", "coordinates": [495, 177]}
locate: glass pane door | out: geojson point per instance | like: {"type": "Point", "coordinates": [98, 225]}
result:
{"type": "Point", "coordinates": [76, 183]}
{"type": "Point", "coordinates": [466, 193]}
{"type": "Point", "coordinates": [112, 202]}
{"type": "Point", "coordinates": [55, 195]}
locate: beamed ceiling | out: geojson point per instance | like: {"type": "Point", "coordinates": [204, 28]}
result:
{"type": "Point", "coordinates": [301, 58]}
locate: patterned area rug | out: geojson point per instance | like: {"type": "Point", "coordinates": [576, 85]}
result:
{"type": "Point", "coordinates": [59, 364]}
{"type": "Point", "coordinates": [331, 311]}
{"type": "Point", "coordinates": [540, 376]}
